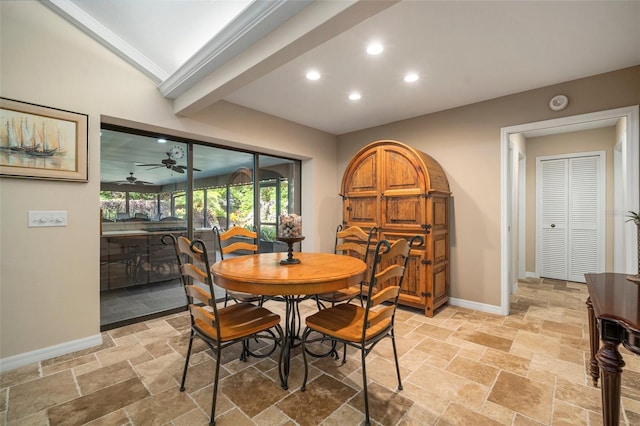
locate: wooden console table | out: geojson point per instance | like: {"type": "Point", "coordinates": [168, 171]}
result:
{"type": "Point", "coordinates": [614, 311]}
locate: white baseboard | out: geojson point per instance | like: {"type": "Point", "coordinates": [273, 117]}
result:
{"type": "Point", "coordinates": [38, 355]}
{"type": "Point", "coordinates": [531, 275]}
{"type": "Point", "coordinates": [482, 307]}
{"type": "Point", "coordinates": [514, 287]}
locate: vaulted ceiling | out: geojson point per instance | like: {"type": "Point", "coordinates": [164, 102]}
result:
{"type": "Point", "coordinates": [257, 53]}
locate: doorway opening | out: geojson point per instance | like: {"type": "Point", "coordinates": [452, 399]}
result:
{"type": "Point", "coordinates": [626, 183]}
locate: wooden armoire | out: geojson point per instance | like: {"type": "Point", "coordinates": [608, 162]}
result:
{"type": "Point", "coordinates": [404, 192]}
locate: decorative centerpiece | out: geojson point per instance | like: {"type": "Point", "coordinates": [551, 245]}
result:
{"type": "Point", "coordinates": [635, 217]}
{"type": "Point", "coordinates": [290, 232]}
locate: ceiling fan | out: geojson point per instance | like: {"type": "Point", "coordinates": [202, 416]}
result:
{"type": "Point", "coordinates": [170, 162]}
{"type": "Point", "coordinates": [132, 180]}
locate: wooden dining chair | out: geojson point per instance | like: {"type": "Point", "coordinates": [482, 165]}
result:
{"type": "Point", "coordinates": [363, 327]}
{"type": "Point", "coordinates": [246, 242]}
{"type": "Point", "coordinates": [352, 241]}
{"type": "Point", "coordinates": [218, 328]}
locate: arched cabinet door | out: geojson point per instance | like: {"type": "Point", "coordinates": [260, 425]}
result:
{"type": "Point", "coordinates": [403, 195]}
{"type": "Point", "coordinates": [404, 192]}
{"type": "Point", "coordinates": [360, 191]}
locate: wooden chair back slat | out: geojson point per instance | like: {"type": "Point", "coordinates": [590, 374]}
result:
{"type": "Point", "coordinates": [359, 248]}
{"type": "Point", "coordinates": [200, 314]}
{"type": "Point", "coordinates": [237, 231]}
{"type": "Point", "coordinates": [391, 271]}
{"type": "Point", "coordinates": [387, 295]}
{"type": "Point", "coordinates": [196, 293]}
{"type": "Point", "coordinates": [237, 246]}
{"type": "Point", "coordinates": [382, 317]}
{"type": "Point", "coordinates": [194, 272]}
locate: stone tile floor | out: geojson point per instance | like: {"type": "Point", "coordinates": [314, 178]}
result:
{"type": "Point", "coordinates": [461, 367]}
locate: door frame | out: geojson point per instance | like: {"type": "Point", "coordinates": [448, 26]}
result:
{"type": "Point", "coordinates": [630, 175]}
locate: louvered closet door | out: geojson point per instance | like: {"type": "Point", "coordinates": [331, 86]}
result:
{"type": "Point", "coordinates": [553, 220]}
{"type": "Point", "coordinates": [571, 201]}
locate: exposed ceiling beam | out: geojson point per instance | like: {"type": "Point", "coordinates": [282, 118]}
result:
{"type": "Point", "coordinates": [317, 23]}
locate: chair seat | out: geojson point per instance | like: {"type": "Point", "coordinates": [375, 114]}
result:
{"type": "Point", "coordinates": [240, 320]}
{"type": "Point", "coordinates": [341, 295]}
{"type": "Point", "coordinates": [344, 322]}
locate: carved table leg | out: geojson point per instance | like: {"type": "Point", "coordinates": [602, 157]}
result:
{"type": "Point", "coordinates": [594, 341]}
{"type": "Point", "coordinates": [611, 364]}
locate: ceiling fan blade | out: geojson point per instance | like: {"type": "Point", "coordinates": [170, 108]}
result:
{"type": "Point", "coordinates": [177, 169]}
{"type": "Point", "coordinates": [149, 165]}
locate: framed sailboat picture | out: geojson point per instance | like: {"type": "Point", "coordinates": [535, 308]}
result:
{"type": "Point", "coordinates": [42, 143]}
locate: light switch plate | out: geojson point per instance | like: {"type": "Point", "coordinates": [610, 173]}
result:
{"type": "Point", "coordinates": [38, 219]}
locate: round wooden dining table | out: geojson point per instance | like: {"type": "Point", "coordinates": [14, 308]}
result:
{"type": "Point", "coordinates": [263, 274]}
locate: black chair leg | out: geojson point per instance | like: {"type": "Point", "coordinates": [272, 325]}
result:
{"type": "Point", "coordinates": [395, 355]}
{"type": "Point", "coordinates": [364, 389]}
{"type": "Point", "coordinates": [186, 361]}
{"type": "Point", "coordinates": [212, 420]}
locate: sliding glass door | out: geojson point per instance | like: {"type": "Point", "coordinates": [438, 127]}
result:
{"type": "Point", "coordinates": [152, 185]}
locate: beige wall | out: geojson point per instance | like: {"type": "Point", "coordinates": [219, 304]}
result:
{"type": "Point", "coordinates": [466, 142]}
{"type": "Point", "coordinates": [602, 139]}
{"type": "Point", "coordinates": [49, 277]}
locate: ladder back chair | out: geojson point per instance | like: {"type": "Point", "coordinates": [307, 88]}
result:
{"type": "Point", "coordinates": [237, 247]}
{"type": "Point", "coordinates": [349, 241]}
{"type": "Point", "coordinates": [363, 327]}
{"type": "Point", "coordinates": [219, 328]}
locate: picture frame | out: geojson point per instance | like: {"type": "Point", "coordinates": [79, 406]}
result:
{"type": "Point", "coordinates": [40, 142]}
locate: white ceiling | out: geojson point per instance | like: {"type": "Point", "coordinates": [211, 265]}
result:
{"type": "Point", "coordinates": [464, 52]}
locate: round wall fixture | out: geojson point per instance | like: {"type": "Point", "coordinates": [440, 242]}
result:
{"type": "Point", "coordinates": [558, 102]}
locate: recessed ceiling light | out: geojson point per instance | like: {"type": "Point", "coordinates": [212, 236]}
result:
{"type": "Point", "coordinates": [410, 77]}
{"type": "Point", "coordinates": [375, 49]}
{"type": "Point", "coordinates": [162, 141]}
{"type": "Point", "coordinates": [354, 96]}
{"type": "Point", "coordinates": [313, 75]}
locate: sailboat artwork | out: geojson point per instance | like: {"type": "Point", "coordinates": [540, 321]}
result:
{"type": "Point", "coordinates": [27, 139]}
{"type": "Point", "coordinates": [42, 142]}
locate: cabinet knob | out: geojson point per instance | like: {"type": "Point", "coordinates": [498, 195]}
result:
{"type": "Point", "coordinates": [553, 225]}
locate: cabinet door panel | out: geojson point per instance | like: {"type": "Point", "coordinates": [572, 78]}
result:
{"type": "Point", "coordinates": [440, 248]}
{"type": "Point", "coordinates": [440, 219]}
{"type": "Point", "coordinates": [363, 176]}
{"type": "Point", "coordinates": [400, 172]}
{"type": "Point", "coordinates": [440, 287]}
{"type": "Point", "coordinates": [403, 211]}
{"type": "Point", "coordinates": [361, 211]}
